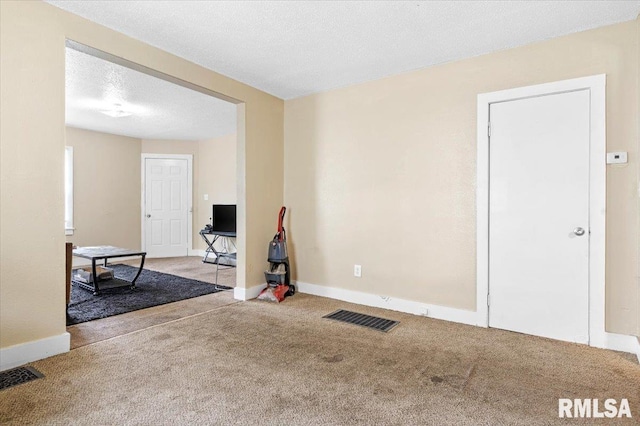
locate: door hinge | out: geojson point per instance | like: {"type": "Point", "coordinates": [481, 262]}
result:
{"type": "Point", "coordinates": [489, 129]}
{"type": "Point", "coordinates": [488, 300]}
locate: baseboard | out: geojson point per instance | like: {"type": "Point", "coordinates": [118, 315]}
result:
{"type": "Point", "coordinates": [622, 343]}
{"type": "Point", "coordinates": [240, 293]}
{"type": "Point", "coordinates": [196, 252]}
{"type": "Point", "coordinates": [402, 305]}
{"type": "Point", "coordinates": [612, 341]}
{"type": "Point", "coordinates": [14, 356]}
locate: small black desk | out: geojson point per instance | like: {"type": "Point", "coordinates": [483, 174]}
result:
{"type": "Point", "coordinates": [105, 253]}
{"type": "Point", "coordinates": [210, 238]}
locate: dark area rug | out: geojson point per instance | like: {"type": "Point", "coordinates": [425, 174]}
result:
{"type": "Point", "coordinates": [152, 289]}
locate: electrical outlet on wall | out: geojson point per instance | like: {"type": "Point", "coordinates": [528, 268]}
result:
{"type": "Point", "coordinates": [617, 157]}
{"type": "Point", "coordinates": [206, 197]}
{"type": "Point", "coordinates": [357, 271]}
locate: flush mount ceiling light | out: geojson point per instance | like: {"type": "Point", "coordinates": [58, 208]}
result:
{"type": "Point", "coordinates": [110, 108]}
{"type": "Point", "coordinates": [116, 112]}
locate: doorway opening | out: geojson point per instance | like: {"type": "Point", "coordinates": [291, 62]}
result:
{"type": "Point", "coordinates": [121, 116]}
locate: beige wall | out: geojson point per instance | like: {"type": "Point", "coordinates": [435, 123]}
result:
{"type": "Point", "coordinates": [107, 179]}
{"type": "Point", "coordinates": [217, 179]}
{"type": "Point", "coordinates": [32, 135]}
{"type": "Point", "coordinates": [106, 189]}
{"type": "Point", "coordinates": [383, 174]}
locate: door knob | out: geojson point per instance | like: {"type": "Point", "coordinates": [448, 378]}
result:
{"type": "Point", "coordinates": [579, 231]}
{"type": "Point", "coordinates": [150, 216]}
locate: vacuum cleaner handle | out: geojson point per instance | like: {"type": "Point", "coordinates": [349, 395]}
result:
{"type": "Point", "coordinates": [283, 210]}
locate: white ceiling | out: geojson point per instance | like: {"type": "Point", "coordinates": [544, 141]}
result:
{"type": "Point", "coordinates": [160, 110]}
{"type": "Point", "coordinates": [291, 49]}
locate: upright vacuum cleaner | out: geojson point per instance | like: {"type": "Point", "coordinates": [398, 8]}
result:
{"type": "Point", "coordinates": [279, 272]}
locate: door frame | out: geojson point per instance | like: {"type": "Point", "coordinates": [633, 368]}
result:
{"type": "Point", "coordinates": [143, 170]}
{"type": "Point", "coordinates": [597, 194]}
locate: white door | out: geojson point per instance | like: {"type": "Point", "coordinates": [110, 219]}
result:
{"type": "Point", "coordinates": [166, 209]}
{"type": "Point", "coordinates": [539, 216]}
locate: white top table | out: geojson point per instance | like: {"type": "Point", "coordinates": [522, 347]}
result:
{"type": "Point", "coordinates": [105, 253]}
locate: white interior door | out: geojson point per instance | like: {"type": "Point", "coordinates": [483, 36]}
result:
{"type": "Point", "coordinates": [538, 209]}
{"type": "Point", "coordinates": [166, 207]}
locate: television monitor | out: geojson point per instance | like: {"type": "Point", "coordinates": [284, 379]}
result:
{"type": "Point", "coordinates": [223, 218]}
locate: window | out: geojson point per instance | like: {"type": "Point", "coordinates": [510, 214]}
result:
{"type": "Point", "coordinates": [68, 190]}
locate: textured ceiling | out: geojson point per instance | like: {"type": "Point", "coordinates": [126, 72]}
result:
{"type": "Point", "coordinates": [291, 49]}
{"type": "Point", "coordinates": [159, 109]}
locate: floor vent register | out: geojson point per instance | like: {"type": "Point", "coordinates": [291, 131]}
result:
{"type": "Point", "coordinates": [18, 376]}
{"type": "Point", "coordinates": [376, 323]}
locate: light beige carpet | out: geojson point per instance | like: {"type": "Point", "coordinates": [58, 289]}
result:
{"type": "Point", "coordinates": [189, 267]}
{"type": "Point", "coordinates": [193, 268]}
{"type": "Point", "coordinates": [256, 363]}
{"type": "Point", "coordinates": [90, 332]}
